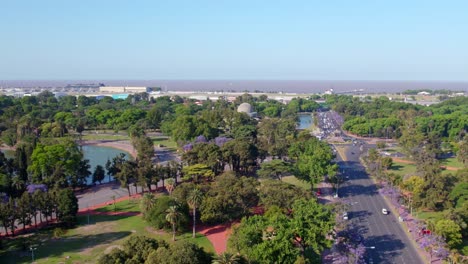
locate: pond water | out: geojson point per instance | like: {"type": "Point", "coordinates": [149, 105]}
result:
{"type": "Point", "coordinates": [99, 156]}
{"type": "Point", "coordinates": [96, 156]}
{"type": "Point", "coordinates": [305, 121]}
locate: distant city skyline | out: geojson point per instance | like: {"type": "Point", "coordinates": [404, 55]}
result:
{"type": "Point", "coordinates": [290, 86]}
{"type": "Point", "coordinates": [234, 40]}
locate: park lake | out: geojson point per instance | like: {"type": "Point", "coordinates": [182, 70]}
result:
{"type": "Point", "coordinates": [305, 121]}
{"type": "Point", "coordinates": [95, 154]}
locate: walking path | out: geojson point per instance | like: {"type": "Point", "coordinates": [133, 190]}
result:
{"type": "Point", "coordinates": [217, 235]}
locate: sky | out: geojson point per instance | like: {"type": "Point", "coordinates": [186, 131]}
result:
{"type": "Point", "coordinates": [256, 40]}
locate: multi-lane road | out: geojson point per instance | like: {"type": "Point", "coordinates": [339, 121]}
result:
{"type": "Point", "coordinates": [384, 237]}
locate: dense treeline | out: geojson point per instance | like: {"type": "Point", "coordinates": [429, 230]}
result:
{"type": "Point", "coordinates": [425, 134]}
{"type": "Point", "coordinates": [222, 151]}
{"type": "Point", "coordinates": [37, 205]}
{"type": "Point", "coordinates": [295, 226]}
{"type": "Point", "coordinates": [43, 129]}
{"type": "Point", "coordinates": [381, 117]}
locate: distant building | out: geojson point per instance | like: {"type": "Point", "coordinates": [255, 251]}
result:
{"type": "Point", "coordinates": [424, 93]}
{"type": "Point", "coordinates": [119, 96]}
{"type": "Point", "coordinates": [329, 91]}
{"type": "Point", "coordinates": [246, 108]}
{"type": "Point", "coordinates": [124, 89]}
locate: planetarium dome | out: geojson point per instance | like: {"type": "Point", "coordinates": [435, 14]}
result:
{"type": "Point", "coordinates": [245, 108]}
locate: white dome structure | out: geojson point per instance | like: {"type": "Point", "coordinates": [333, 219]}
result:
{"type": "Point", "coordinates": [245, 108]}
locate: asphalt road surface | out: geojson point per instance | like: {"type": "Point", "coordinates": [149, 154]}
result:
{"type": "Point", "coordinates": [383, 232]}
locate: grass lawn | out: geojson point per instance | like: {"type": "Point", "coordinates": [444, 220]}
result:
{"type": "Point", "coordinates": [124, 206]}
{"type": "Point", "coordinates": [166, 141]}
{"type": "Point", "coordinates": [402, 168]}
{"type": "Point", "coordinates": [86, 242]}
{"type": "Point", "coordinates": [452, 162]}
{"type": "Point", "coordinates": [434, 216]}
{"type": "Point", "coordinates": [295, 181]}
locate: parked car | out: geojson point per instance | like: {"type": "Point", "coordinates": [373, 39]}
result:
{"type": "Point", "coordinates": [345, 216]}
{"type": "Point", "coordinates": [384, 211]}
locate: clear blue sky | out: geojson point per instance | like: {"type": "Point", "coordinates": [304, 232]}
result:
{"type": "Point", "coordinates": [316, 40]}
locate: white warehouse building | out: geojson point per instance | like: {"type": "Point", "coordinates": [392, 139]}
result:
{"type": "Point", "coordinates": [123, 89]}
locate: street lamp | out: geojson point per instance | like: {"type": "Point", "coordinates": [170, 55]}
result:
{"type": "Point", "coordinates": [373, 247]}
{"type": "Point", "coordinates": [32, 252]}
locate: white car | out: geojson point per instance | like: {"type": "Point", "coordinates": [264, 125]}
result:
{"type": "Point", "coordinates": [345, 216]}
{"type": "Point", "coordinates": [384, 211]}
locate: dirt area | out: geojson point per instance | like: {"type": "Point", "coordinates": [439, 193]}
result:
{"type": "Point", "coordinates": [218, 236]}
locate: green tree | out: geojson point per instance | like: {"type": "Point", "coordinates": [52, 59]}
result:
{"type": "Point", "coordinates": [50, 164]}
{"type": "Point", "coordinates": [229, 198]}
{"type": "Point", "coordinates": [194, 200]}
{"type": "Point", "coordinates": [275, 193]}
{"type": "Point", "coordinates": [172, 217]}
{"type": "Point", "coordinates": [180, 252]}
{"type": "Point", "coordinates": [275, 135]}
{"type": "Point", "coordinates": [157, 214]}
{"type": "Point", "coordinates": [183, 190]}
{"type": "Point", "coordinates": [80, 176]}
{"type": "Point", "coordinates": [279, 237]}
{"type": "Point", "coordinates": [115, 256]}
{"type": "Point", "coordinates": [98, 174]}
{"type": "Point", "coordinates": [311, 223]}
{"type": "Point", "coordinates": [137, 248]}
{"type": "Point", "coordinates": [205, 153]}
{"type": "Point", "coordinates": [312, 160]}
{"type": "Point", "coordinates": [185, 128]}
{"type": "Point", "coordinates": [24, 209]}
{"type": "Point", "coordinates": [241, 155]}
{"type": "Point", "coordinates": [227, 258]}
{"type": "Point", "coordinates": [387, 162]}
{"type": "Point", "coordinates": [459, 194]}
{"type": "Point", "coordinates": [67, 206]}
{"type": "Point", "coordinates": [196, 171]}
{"type": "Point", "coordinates": [450, 231]}
{"type": "Point", "coordinates": [146, 204]}
{"type": "Point", "coordinates": [462, 153]}
{"type": "Point", "coordinates": [273, 169]}
{"type": "Point", "coordinates": [125, 174]}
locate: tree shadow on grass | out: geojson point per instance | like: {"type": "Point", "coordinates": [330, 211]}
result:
{"type": "Point", "coordinates": [396, 167]}
{"type": "Point", "coordinates": [47, 247]}
{"type": "Point", "coordinates": [97, 218]}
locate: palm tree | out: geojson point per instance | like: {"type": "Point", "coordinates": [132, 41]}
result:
{"type": "Point", "coordinates": [194, 200]}
{"type": "Point", "coordinates": [226, 258]}
{"type": "Point", "coordinates": [170, 185]}
{"type": "Point", "coordinates": [172, 217]}
{"type": "Point", "coordinates": [147, 203]}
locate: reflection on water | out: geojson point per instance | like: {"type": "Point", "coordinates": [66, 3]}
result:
{"type": "Point", "coordinates": [305, 121]}
{"type": "Point", "coordinates": [95, 154]}
{"type": "Point", "coordinates": [99, 156]}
